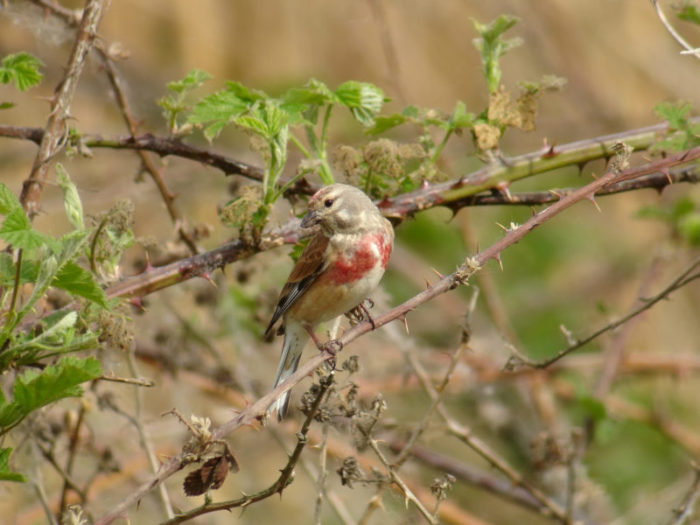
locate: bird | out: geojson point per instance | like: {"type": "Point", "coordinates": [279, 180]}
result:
{"type": "Point", "coordinates": [339, 267]}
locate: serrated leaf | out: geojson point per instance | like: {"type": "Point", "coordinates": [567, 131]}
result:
{"type": "Point", "coordinates": [5, 473]}
{"type": "Point", "coordinates": [22, 69]}
{"type": "Point", "coordinates": [7, 270]}
{"type": "Point", "coordinates": [17, 231]}
{"type": "Point", "coordinates": [385, 123]}
{"type": "Point", "coordinates": [492, 46]}
{"type": "Point", "coordinates": [34, 389]}
{"type": "Point", "coordinates": [71, 199]}
{"type": "Point", "coordinates": [364, 100]}
{"type": "Point", "coordinates": [460, 117]}
{"type": "Point", "coordinates": [78, 281]}
{"type": "Point", "coordinates": [193, 79]}
{"type": "Point", "coordinates": [675, 114]}
{"type": "Point", "coordinates": [8, 200]}
{"type": "Point", "coordinates": [313, 92]}
{"type": "Point", "coordinates": [224, 105]}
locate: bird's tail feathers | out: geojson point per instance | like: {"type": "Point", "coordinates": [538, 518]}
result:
{"type": "Point", "coordinates": [295, 338]}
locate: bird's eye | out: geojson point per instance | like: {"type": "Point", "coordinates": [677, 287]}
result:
{"type": "Point", "coordinates": [328, 203]}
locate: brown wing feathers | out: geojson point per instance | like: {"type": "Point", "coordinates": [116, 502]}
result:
{"type": "Point", "coordinates": [306, 270]}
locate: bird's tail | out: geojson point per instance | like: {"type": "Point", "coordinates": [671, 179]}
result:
{"type": "Point", "coordinates": [295, 338]}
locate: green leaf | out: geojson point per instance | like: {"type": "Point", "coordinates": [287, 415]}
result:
{"type": "Point", "coordinates": [34, 389]}
{"type": "Point", "coordinates": [22, 69]}
{"type": "Point", "coordinates": [460, 117]}
{"type": "Point", "coordinates": [8, 200]}
{"type": "Point", "coordinates": [5, 473]}
{"type": "Point", "coordinates": [675, 114]}
{"type": "Point", "coordinates": [222, 107]}
{"type": "Point", "coordinates": [7, 105]}
{"type": "Point", "coordinates": [17, 231]}
{"type": "Point", "coordinates": [689, 13]}
{"type": "Point", "coordinates": [364, 100]}
{"type": "Point", "coordinates": [492, 47]}
{"type": "Point", "coordinates": [385, 123]}
{"type": "Point", "coordinates": [71, 199]}
{"type": "Point", "coordinates": [78, 281]}
{"type": "Point", "coordinates": [27, 273]}
{"type": "Point", "coordinates": [194, 79]}
{"type": "Point", "coordinates": [313, 92]}
{"type": "Point", "coordinates": [50, 266]}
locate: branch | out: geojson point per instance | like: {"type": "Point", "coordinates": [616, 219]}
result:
{"type": "Point", "coordinates": [286, 474]}
{"type": "Point", "coordinates": [53, 139]}
{"type": "Point", "coordinates": [685, 277]}
{"type": "Point", "coordinates": [689, 50]}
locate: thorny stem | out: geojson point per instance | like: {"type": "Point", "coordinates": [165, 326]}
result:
{"type": "Point", "coordinates": [55, 132]}
{"type": "Point", "coordinates": [685, 277]}
{"type": "Point", "coordinates": [285, 478]}
{"type": "Point", "coordinates": [447, 283]}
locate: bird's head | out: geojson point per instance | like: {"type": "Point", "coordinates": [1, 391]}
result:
{"type": "Point", "coordinates": [340, 208]}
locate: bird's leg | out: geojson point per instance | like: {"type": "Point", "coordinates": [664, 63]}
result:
{"type": "Point", "coordinates": [361, 313]}
{"type": "Point", "coordinates": [331, 347]}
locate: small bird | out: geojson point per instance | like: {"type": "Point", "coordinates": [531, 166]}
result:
{"type": "Point", "coordinates": [339, 267]}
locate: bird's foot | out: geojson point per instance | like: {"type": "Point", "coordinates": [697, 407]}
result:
{"type": "Point", "coordinates": [361, 313]}
{"type": "Point", "coordinates": [331, 347]}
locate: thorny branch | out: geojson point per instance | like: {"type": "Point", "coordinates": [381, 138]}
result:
{"type": "Point", "coordinates": [283, 481]}
{"type": "Point", "coordinates": [445, 284]}
{"type": "Point", "coordinates": [54, 135]}
{"type": "Point", "coordinates": [685, 277]}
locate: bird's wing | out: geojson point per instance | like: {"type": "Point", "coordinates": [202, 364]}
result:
{"type": "Point", "coordinates": [309, 266]}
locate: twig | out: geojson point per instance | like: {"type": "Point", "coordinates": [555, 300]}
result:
{"type": "Point", "coordinates": [322, 475]}
{"type": "Point", "coordinates": [408, 493]}
{"type": "Point", "coordinates": [286, 474]}
{"type": "Point", "coordinates": [685, 277]}
{"type": "Point", "coordinates": [72, 449]}
{"type": "Point", "coordinates": [690, 50]}
{"type": "Point", "coordinates": [145, 438]}
{"type": "Point", "coordinates": [613, 355]}
{"type": "Point", "coordinates": [447, 283]}
{"type": "Point", "coordinates": [55, 131]}
{"type": "Point", "coordinates": [685, 509]}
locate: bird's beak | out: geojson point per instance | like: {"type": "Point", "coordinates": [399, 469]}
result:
{"type": "Point", "coordinates": [312, 218]}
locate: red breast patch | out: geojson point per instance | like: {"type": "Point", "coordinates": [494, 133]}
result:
{"type": "Point", "coordinates": [370, 251]}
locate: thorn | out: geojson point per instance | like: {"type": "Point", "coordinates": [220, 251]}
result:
{"type": "Point", "coordinates": [555, 193]}
{"type": "Point", "coordinates": [405, 323]}
{"type": "Point", "coordinates": [594, 176]}
{"type": "Point", "coordinates": [137, 303]}
{"type": "Point", "coordinates": [498, 260]}
{"type": "Point", "coordinates": [207, 277]}
{"type": "Point", "coordinates": [592, 199]}
{"type": "Point", "coordinates": [427, 283]}
{"type": "Point", "coordinates": [437, 273]}
{"type": "Point", "coordinates": [503, 187]}
{"type": "Point", "coordinates": [668, 176]}
{"type": "Point", "coordinates": [502, 227]}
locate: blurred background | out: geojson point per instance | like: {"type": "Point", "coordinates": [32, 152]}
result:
{"type": "Point", "coordinates": [581, 270]}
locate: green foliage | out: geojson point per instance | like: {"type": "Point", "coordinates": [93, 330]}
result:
{"type": "Point", "coordinates": [492, 46]}
{"type": "Point", "coordinates": [113, 236]}
{"type": "Point", "coordinates": [44, 262]}
{"type": "Point", "coordinates": [174, 104]}
{"type": "Point", "coordinates": [682, 216]}
{"type": "Point", "coordinates": [689, 12]}
{"type": "Point", "coordinates": [5, 473]}
{"type": "Point", "coordinates": [682, 133]}
{"type": "Point", "coordinates": [34, 389]}
{"type": "Point", "coordinates": [22, 69]}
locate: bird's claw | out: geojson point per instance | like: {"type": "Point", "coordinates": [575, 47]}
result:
{"type": "Point", "coordinates": [331, 347]}
{"type": "Point", "coordinates": [361, 313]}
